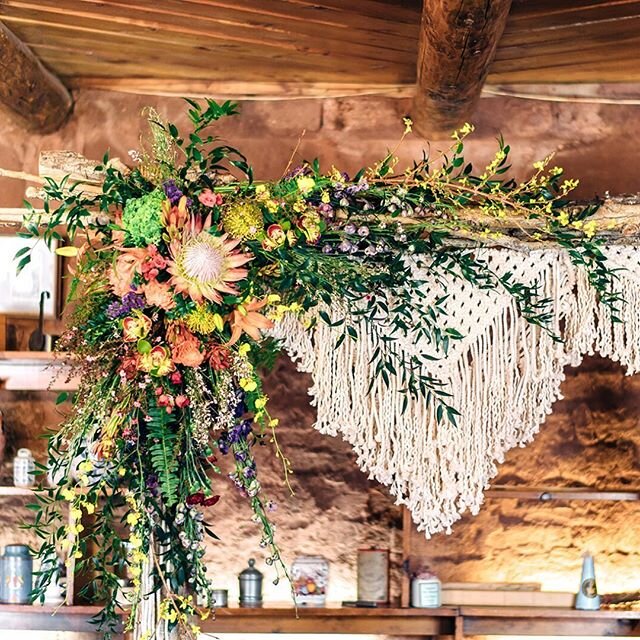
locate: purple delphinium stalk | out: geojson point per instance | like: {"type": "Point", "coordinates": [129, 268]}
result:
{"type": "Point", "coordinates": [125, 305]}
{"type": "Point", "coordinates": [172, 191]}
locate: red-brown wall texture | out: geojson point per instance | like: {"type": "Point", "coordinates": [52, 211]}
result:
{"type": "Point", "coordinates": [592, 439]}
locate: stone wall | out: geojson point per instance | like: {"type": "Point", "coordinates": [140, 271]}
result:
{"type": "Point", "coordinates": [591, 440]}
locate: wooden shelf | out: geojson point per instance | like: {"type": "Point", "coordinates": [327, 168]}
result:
{"type": "Point", "coordinates": [34, 371]}
{"type": "Point", "coordinates": [379, 621]}
{"type": "Point", "coordinates": [533, 621]}
{"type": "Point", "coordinates": [16, 491]}
{"type": "Point", "coordinates": [546, 494]}
{"type": "Point", "coordinates": [47, 618]}
{"type": "Point", "coordinates": [457, 621]}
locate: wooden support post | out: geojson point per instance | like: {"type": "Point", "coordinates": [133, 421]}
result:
{"type": "Point", "coordinates": [458, 40]}
{"type": "Point", "coordinates": [28, 89]}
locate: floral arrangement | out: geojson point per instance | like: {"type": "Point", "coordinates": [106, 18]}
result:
{"type": "Point", "coordinates": [182, 268]}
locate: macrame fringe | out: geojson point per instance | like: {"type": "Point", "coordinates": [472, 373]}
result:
{"type": "Point", "coordinates": [503, 376]}
{"type": "Point", "coordinates": [148, 624]}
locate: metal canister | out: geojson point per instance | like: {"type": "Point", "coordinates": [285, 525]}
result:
{"type": "Point", "coordinates": [250, 586]}
{"type": "Point", "coordinates": [17, 574]}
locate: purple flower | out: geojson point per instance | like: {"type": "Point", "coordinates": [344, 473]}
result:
{"type": "Point", "coordinates": [249, 472]}
{"type": "Point", "coordinates": [172, 191]}
{"type": "Point", "coordinates": [240, 432]}
{"type": "Point", "coordinates": [223, 443]}
{"type": "Point", "coordinates": [326, 209]}
{"type": "Point", "coordinates": [240, 456]}
{"type": "Point", "coordinates": [345, 246]}
{"type": "Point", "coordinates": [350, 228]}
{"type": "Point", "coordinates": [295, 172]}
{"type": "Point", "coordinates": [327, 248]}
{"type": "Point", "coordinates": [125, 305]}
{"type": "Point", "coordinates": [363, 231]}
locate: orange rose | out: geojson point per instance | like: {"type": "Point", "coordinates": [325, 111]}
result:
{"type": "Point", "coordinates": [188, 353]}
{"type": "Point", "coordinates": [159, 294]}
{"type": "Point", "coordinates": [123, 271]}
{"type": "Point", "coordinates": [185, 347]}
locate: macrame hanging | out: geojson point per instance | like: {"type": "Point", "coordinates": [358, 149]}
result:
{"type": "Point", "coordinates": [504, 376]}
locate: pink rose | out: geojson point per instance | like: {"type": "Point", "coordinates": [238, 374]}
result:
{"type": "Point", "coordinates": [209, 199]}
{"type": "Point", "coordinates": [182, 401]}
{"type": "Point", "coordinates": [176, 377]}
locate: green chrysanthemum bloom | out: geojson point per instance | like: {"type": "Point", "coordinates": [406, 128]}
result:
{"type": "Point", "coordinates": [142, 218]}
{"type": "Point", "coordinates": [243, 220]}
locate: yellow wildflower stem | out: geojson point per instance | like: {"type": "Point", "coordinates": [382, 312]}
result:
{"type": "Point", "coordinates": [286, 463]}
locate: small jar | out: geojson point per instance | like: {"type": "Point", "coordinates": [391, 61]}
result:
{"type": "Point", "coordinates": [310, 575]}
{"type": "Point", "coordinates": [17, 574]}
{"type": "Point", "coordinates": [220, 598]}
{"type": "Point", "coordinates": [425, 590]}
{"type": "Point", "coordinates": [23, 467]}
{"type": "Point", "coordinates": [250, 581]}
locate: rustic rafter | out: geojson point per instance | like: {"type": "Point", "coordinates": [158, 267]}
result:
{"type": "Point", "coordinates": [458, 41]}
{"type": "Point", "coordinates": [28, 89]}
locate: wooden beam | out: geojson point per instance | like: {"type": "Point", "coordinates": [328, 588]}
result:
{"type": "Point", "coordinates": [28, 89]}
{"type": "Point", "coordinates": [458, 41]}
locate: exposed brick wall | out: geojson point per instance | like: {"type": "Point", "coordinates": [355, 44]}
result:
{"type": "Point", "coordinates": [592, 438]}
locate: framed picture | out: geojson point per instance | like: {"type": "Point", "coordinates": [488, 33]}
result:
{"type": "Point", "coordinates": [20, 293]}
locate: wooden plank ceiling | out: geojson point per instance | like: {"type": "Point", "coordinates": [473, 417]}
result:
{"type": "Point", "coordinates": [322, 47]}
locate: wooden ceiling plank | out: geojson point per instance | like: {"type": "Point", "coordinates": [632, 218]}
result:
{"type": "Point", "coordinates": [114, 66]}
{"type": "Point", "coordinates": [458, 41]}
{"type": "Point", "coordinates": [403, 11]}
{"type": "Point", "coordinates": [234, 90]}
{"type": "Point", "coordinates": [130, 15]}
{"type": "Point", "coordinates": [604, 30]}
{"type": "Point", "coordinates": [314, 18]}
{"type": "Point", "coordinates": [613, 70]}
{"type": "Point", "coordinates": [102, 29]}
{"type": "Point", "coordinates": [584, 60]}
{"type": "Point", "coordinates": [561, 46]}
{"type": "Point", "coordinates": [556, 12]}
{"type": "Point", "coordinates": [29, 90]}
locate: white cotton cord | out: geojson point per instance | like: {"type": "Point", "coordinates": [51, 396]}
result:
{"type": "Point", "coordinates": [504, 376]}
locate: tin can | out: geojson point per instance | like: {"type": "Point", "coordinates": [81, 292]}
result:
{"type": "Point", "coordinates": [220, 598]}
{"type": "Point", "coordinates": [310, 575]}
{"type": "Point", "coordinates": [17, 574]}
{"type": "Point", "coordinates": [373, 575]}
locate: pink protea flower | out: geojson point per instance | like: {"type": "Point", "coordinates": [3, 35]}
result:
{"type": "Point", "coordinates": [204, 265]}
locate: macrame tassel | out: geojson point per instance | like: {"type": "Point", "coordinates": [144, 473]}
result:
{"type": "Point", "coordinates": [148, 625]}
{"type": "Point", "coordinates": [504, 376]}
